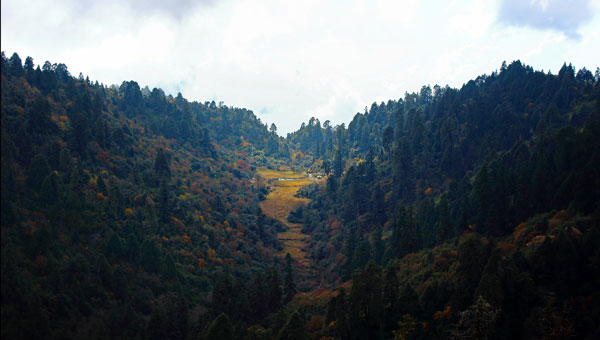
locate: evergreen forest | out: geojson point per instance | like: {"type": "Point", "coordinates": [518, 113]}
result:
{"type": "Point", "coordinates": [448, 213]}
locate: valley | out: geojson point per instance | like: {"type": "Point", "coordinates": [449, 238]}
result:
{"type": "Point", "coordinates": [281, 200]}
{"type": "Point", "coordinates": [129, 213]}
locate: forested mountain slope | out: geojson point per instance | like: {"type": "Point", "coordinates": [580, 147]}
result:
{"type": "Point", "coordinates": [121, 207]}
{"type": "Point", "coordinates": [450, 213]}
{"type": "Point", "coordinates": [465, 192]}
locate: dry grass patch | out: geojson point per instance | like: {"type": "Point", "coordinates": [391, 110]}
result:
{"type": "Point", "coordinates": [291, 235]}
{"type": "Point", "coordinates": [295, 183]}
{"type": "Point", "coordinates": [271, 174]}
{"type": "Point", "coordinates": [296, 253]}
{"type": "Point", "coordinates": [280, 202]}
{"type": "Point", "coordinates": [294, 244]}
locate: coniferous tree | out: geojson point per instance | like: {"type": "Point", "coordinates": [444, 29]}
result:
{"type": "Point", "coordinates": [337, 163]}
{"type": "Point", "coordinates": [113, 247]}
{"type": "Point", "coordinates": [274, 290]}
{"type": "Point", "coordinates": [289, 286]}
{"type": "Point", "coordinates": [326, 168]}
{"type": "Point", "coordinates": [399, 125]}
{"type": "Point", "coordinates": [443, 228]}
{"type": "Point", "coordinates": [378, 205]}
{"type": "Point", "coordinates": [15, 65]}
{"type": "Point", "coordinates": [170, 268]}
{"type": "Point", "coordinates": [361, 256]}
{"type": "Point", "coordinates": [476, 322]}
{"type": "Point", "coordinates": [223, 296]}
{"type": "Point", "coordinates": [378, 246]}
{"type": "Point", "coordinates": [387, 139]}
{"type": "Point", "coordinates": [293, 329]}
{"type": "Point", "coordinates": [417, 134]}
{"type": "Point", "coordinates": [132, 249]}
{"type": "Point", "coordinates": [101, 186]}
{"type": "Point", "coordinates": [472, 257]}
{"type": "Point", "coordinates": [151, 256]}
{"type": "Point", "coordinates": [391, 307]}
{"type": "Point", "coordinates": [80, 135]}
{"type": "Point", "coordinates": [483, 197]}
{"type": "Point", "coordinates": [177, 318]}
{"type": "Point", "coordinates": [52, 189]}
{"type": "Point", "coordinates": [409, 302]}
{"type": "Point", "coordinates": [331, 187]}
{"type": "Point", "coordinates": [258, 298]}
{"type": "Point", "coordinates": [39, 118]}
{"type": "Point", "coordinates": [342, 324]}
{"type": "Point", "coordinates": [161, 165]}
{"type": "Point", "coordinates": [220, 329]}
{"type": "Point", "coordinates": [38, 170]}
{"type": "Point", "coordinates": [405, 237]}
{"type": "Point", "coordinates": [163, 201]}
{"type": "Point", "coordinates": [65, 162]}
{"type": "Point", "coordinates": [349, 249]}
{"type": "Point", "coordinates": [402, 170]}
{"type": "Point", "coordinates": [367, 305]}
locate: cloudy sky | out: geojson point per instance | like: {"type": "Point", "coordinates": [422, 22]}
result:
{"type": "Point", "coordinates": [290, 60]}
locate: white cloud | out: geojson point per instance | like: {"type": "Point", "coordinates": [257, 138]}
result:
{"type": "Point", "coordinates": [472, 20]}
{"type": "Point", "coordinates": [287, 61]}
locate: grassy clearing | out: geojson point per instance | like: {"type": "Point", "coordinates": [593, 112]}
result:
{"type": "Point", "coordinates": [280, 202]}
{"type": "Point", "coordinates": [271, 174]}
{"type": "Point", "coordinates": [296, 183]}
{"type": "Point", "coordinates": [297, 254]}
{"type": "Point", "coordinates": [291, 235]}
{"type": "Point", "coordinates": [295, 243]}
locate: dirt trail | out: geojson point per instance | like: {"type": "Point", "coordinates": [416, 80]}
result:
{"type": "Point", "coordinates": [278, 204]}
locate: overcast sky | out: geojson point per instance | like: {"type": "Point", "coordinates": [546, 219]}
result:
{"type": "Point", "coordinates": [288, 61]}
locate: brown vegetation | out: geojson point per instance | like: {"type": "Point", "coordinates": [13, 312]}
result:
{"type": "Point", "coordinates": [280, 202]}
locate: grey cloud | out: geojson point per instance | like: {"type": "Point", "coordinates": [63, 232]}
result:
{"type": "Point", "coordinates": [558, 15]}
{"type": "Point", "coordinates": [175, 8]}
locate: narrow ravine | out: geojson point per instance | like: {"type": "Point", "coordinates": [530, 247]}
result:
{"type": "Point", "coordinates": [278, 204]}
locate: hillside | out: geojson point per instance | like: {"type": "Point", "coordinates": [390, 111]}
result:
{"type": "Point", "coordinates": [499, 150]}
{"type": "Point", "coordinates": [431, 187]}
{"type": "Point", "coordinates": [449, 213]}
{"type": "Point", "coordinates": [123, 206]}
